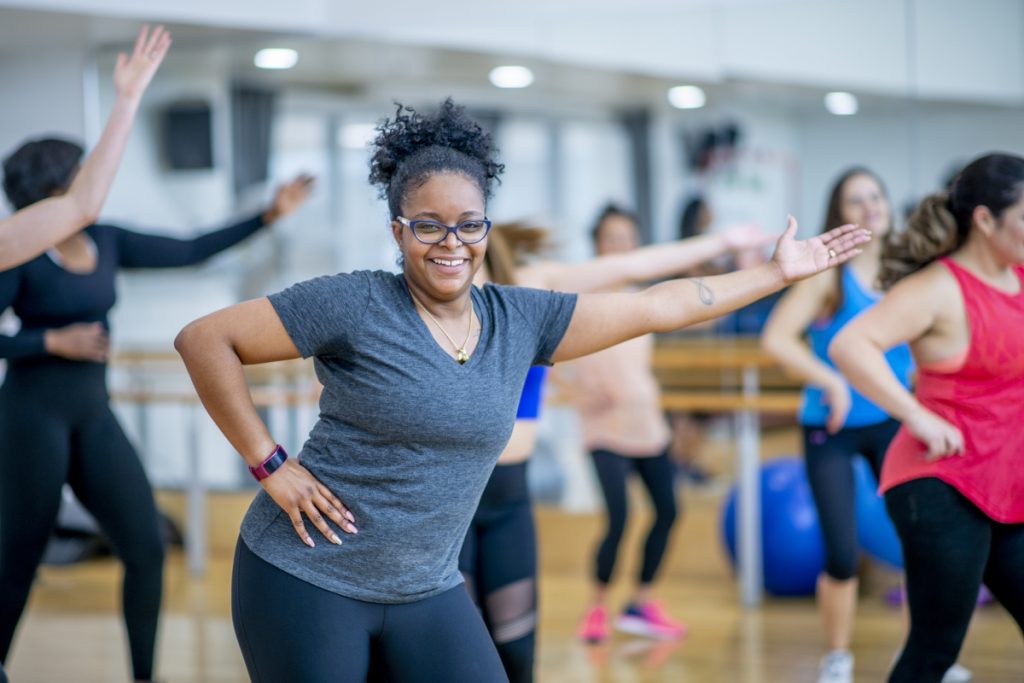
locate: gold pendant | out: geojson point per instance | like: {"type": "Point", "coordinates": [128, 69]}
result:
{"type": "Point", "coordinates": [461, 356]}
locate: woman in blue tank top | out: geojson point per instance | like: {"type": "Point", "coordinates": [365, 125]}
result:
{"type": "Point", "coordinates": [499, 554]}
{"type": "Point", "coordinates": [838, 422]}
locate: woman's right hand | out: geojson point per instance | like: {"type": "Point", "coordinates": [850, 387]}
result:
{"type": "Point", "coordinates": [297, 491]}
{"type": "Point", "coordinates": [132, 74]}
{"type": "Point", "coordinates": [839, 403]}
{"type": "Point", "coordinates": [941, 437]}
{"type": "Point", "coordinates": [80, 341]}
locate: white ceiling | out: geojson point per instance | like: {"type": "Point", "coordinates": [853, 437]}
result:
{"type": "Point", "coordinates": [775, 50]}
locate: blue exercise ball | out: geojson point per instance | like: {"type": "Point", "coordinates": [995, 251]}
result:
{"type": "Point", "coordinates": [793, 554]}
{"type": "Point", "coordinates": [876, 534]}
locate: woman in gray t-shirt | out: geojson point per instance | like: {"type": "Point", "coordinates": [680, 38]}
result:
{"type": "Point", "coordinates": [422, 373]}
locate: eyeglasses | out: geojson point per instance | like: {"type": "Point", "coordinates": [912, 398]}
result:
{"type": "Point", "coordinates": [434, 232]}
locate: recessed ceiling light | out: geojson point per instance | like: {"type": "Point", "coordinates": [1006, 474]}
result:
{"type": "Point", "coordinates": [511, 77]}
{"type": "Point", "coordinates": [841, 103]}
{"type": "Point", "coordinates": [686, 97]}
{"type": "Point", "coordinates": [276, 58]}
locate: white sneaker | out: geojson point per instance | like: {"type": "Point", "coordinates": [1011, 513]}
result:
{"type": "Point", "coordinates": [836, 667]}
{"type": "Point", "coordinates": [957, 674]}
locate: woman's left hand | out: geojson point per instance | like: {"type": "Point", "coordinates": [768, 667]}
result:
{"type": "Point", "coordinates": [799, 259]}
{"type": "Point", "coordinates": [289, 197]}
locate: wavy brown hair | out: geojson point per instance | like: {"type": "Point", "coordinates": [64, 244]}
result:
{"type": "Point", "coordinates": [942, 222]}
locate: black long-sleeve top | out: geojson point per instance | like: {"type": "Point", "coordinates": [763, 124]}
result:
{"type": "Point", "coordinates": [45, 296]}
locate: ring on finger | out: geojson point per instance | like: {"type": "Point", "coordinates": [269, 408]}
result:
{"type": "Point", "coordinates": [831, 253]}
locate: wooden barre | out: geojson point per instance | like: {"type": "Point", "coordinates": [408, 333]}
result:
{"type": "Point", "coordinates": [260, 397]}
{"type": "Point", "coordinates": [775, 402]}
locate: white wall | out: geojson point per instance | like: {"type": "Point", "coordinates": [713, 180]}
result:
{"type": "Point", "coordinates": [43, 94]}
{"type": "Point", "coordinates": [962, 49]}
{"type": "Point", "coordinates": [912, 152]}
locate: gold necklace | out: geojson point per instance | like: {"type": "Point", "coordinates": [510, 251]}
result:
{"type": "Point", "coordinates": [461, 355]}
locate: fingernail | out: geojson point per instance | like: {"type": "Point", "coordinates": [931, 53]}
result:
{"type": "Point", "coordinates": [309, 542]}
{"type": "Point", "coordinates": [350, 516]}
{"type": "Point", "coordinates": [353, 529]}
{"type": "Point", "coordinates": [335, 539]}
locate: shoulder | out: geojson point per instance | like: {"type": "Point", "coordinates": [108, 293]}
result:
{"type": "Point", "coordinates": [935, 280]}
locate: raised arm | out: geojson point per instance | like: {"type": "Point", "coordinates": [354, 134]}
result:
{"type": "Point", "coordinates": [783, 338]}
{"type": "Point", "coordinates": [640, 265]}
{"type": "Point", "coordinates": [917, 310]}
{"type": "Point", "coordinates": [142, 250]}
{"type": "Point", "coordinates": [30, 231]}
{"type": "Point", "coordinates": [214, 349]}
{"type": "Point", "coordinates": [603, 320]}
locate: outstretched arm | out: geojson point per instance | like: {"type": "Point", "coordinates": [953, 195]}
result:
{"type": "Point", "coordinates": [603, 320]}
{"type": "Point", "coordinates": [30, 231]}
{"type": "Point", "coordinates": [142, 250]}
{"type": "Point", "coordinates": [648, 263]}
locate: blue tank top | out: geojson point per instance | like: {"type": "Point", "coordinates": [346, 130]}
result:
{"type": "Point", "coordinates": [529, 401]}
{"type": "Point", "coordinates": [856, 299]}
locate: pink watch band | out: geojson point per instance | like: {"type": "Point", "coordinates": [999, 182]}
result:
{"type": "Point", "coordinates": [270, 464]}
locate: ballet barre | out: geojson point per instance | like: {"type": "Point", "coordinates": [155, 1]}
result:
{"type": "Point", "coordinates": [287, 385]}
{"type": "Point", "coordinates": [723, 374]}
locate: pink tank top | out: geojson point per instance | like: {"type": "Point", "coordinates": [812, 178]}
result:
{"type": "Point", "coordinates": [984, 398]}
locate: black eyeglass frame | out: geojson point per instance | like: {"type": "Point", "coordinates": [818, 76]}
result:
{"type": "Point", "coordinates": [411, 224]}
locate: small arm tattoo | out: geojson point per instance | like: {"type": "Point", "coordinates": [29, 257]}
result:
{"type": "Point", "coordinates": [706, 294]}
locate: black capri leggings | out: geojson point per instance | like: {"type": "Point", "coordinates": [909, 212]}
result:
{"type": "Point", "coordinates": [655, 472]}
{"type": "Point", "coordinates": [829, 460]}
{"type": "Point", "coordinates": [949, 548]}
{"type": "Point", "coordinates": [56, 426]}
{"type": "Point", "coordinates": [499, 563]}
{"type": "Point", "coordinates": [290, 630]}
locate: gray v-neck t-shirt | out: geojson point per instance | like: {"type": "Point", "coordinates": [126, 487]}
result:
{"type": "Point", "coordinates": [407, 437]}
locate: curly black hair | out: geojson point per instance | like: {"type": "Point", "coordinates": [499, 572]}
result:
{"type": "Point", "coordinates": [39, 168]}
{"type": "Point", "coordinates": [412, 147]}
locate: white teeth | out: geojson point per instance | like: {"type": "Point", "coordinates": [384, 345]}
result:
{"type": "Point", "coordinates": [448, 262]}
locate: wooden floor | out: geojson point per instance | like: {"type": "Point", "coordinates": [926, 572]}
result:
{"type": "Point", "coordinates": [72, 631]}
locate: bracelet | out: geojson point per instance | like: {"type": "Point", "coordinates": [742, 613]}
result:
{"type": "Point", "coordinates": [270, 464]}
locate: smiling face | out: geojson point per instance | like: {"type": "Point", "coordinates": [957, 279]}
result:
{"type": "Point", "coordinates": [441, 272]}
{"type": "Point", "coordinates": [863, 202]}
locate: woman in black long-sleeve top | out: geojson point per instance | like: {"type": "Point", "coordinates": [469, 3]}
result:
{"type": "Point", "coordinates": [56, 424]}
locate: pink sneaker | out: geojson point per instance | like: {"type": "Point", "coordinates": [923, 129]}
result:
{"type": "Point", "coordinates": [649, 619]}
{"type": "Point", "coordinates": [594, 628]}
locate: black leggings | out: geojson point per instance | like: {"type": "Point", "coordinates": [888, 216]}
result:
{"type": "Point", "coordinates": [55, 427]}
{"type": "Point", "coordinates": [656, 473]}
{"type": "Point", "coordinates": [499, 563]}
{"type": "Point", "coordinates": [290, 630]}
{"type": "Point", "coordinates": [949, 548]}
{"type": "Point", "coordinates": [829, 460]}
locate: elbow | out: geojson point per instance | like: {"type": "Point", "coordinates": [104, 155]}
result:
{"type": "Point", "coordinates": [773, 344]}
{"type": "Point", "coordinates": [191, 340]}
{"type": "Point", "coordinates": [839, 350]}
{"type": "Point", "coordinates": [86, 212]}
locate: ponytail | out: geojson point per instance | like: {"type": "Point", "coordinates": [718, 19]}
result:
{"type": "Point", "coordinates": [931, 232]}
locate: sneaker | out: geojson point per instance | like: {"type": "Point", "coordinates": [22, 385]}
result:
{"type": "Point", "coordinates": [957, 674]}
{"type": "Point", "coordinates": [649, 619]}
{"type": "Point", "coordinates": [836, 667]}
{"type": "Point", "coordinates": [594, 628]}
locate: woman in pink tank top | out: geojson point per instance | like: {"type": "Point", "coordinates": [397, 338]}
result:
{"type": "Point", "coordinates": [953, 477]}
